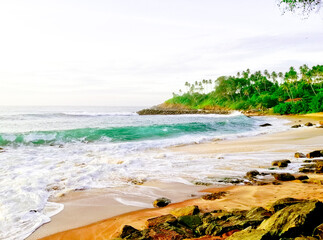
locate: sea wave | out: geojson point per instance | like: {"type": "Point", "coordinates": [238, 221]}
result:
{"type": "Point", "coordinates": [125, 133]}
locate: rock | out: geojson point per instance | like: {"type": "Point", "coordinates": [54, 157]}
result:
{"type": "Point", "coordinates": [317, 153]}
{"type": "Point", "coordinates": [281, 163]}
{"type": "Point", "coordinates": [214, 196]}
{"type": "Point", "coordinates": [308, 124]}
{"type": "Point", "coordinates": [296, 126]}
{"type": "Point", "coordinates": [301, 177]}
{"type": "Point", "coordinates": [189, 210]}
{"type": "Point", "coordinates": [284, 202]}
{"type": "Point", "coordinates": [252, 174]}
{"type": "Point", "coordinates": [321, 123]}
{"type": "Point", "coordinates": [168, 232]}
{"type": "Point", "coordinates": [265, 125]}
{"type": "Point", "coordinates": [161, 202]}
{"type": "Point", "coordinates": [307, 168]}
{"type": "Point", "coordinates": [250, 234]}
{"type": "Point", "coordinates": [318, 231]}
{"type": "Point", "coordinates": [305, 238]}
{"type": "Point", "coordinates": [319, 167]}
{"type": "Point", "coordinates": [258, 214]}
{"type": "Point", "coordinates": [299, 155]}
{"type": "Point", "coordinates": [284, 176]}
{"type": "Point", "coordinates": [231, 180]}
{"type": "Point", "coordinates": [294, 220]}
{"type": "Point", "coordinates": [191, 221]}
{"type": "Point", "coordinates": [130, 232]}
{"type": "Point", "coordinates": [161, 219]}
{"type": "Point", "coordinates": [321, 126]}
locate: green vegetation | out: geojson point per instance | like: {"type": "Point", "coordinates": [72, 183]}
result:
{"type": "Point", "coordinates": [304, 6]}
{"type": "Point", "coordinates": [284, 93]}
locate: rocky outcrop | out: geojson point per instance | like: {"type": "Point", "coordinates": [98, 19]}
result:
{"type": "Point", "coordinates": [288, 218]}
{"type": "Point", "coordinates": [175, 109]}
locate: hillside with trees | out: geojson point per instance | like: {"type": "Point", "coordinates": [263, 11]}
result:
{"type": "Point", "coordinates": [292, 92]}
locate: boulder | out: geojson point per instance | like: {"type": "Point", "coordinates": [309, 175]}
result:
{"type": "Point", "coordinates": [161, 219]}
{"type": "Point", "coordinates": [299, 155]}
{"type": "Point", "coordinates": [252, 174]}
{"type": "Point", "coordinates": [161, 202]}
{"type": "Point", "coordinates": [284, 176]}
{"type": "Point", "coordinates": [301, 177]}
{"type": "Point", "coordinates": [295, 220]}
{"type": "Point", "coordinates": [281, 163]}
{"type": "Point", "coordinates": [317, 153]}
{"type": "Point", "coordinates": [308, 124]}
{"type": "Point", "coordinates": [296, 126]}
{"type": "Point", "coordinates": [250, 234]}
{"type": "Point", "coordinates": [214, 196]}
{"type": "Point", "coordinates": [284, 202]}
{"type": "Point", "coordinates": [191, 221]}
{"type": "Point", "coordinates": [130, 232]}
{"type": "Point", "coordinates": [189, 210]}
{"type": "Point", "coordinates": [265, 125]}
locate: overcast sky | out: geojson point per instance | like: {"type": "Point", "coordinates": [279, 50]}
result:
{"type": "Point", "coordinates": [137, 52]}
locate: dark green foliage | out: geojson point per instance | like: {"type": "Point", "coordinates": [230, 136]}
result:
{"type": "Point", "coordinates": [259, 91]}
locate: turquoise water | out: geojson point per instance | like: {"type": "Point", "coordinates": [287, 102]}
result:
{"type": "Point", "coordinates": [54, 126]}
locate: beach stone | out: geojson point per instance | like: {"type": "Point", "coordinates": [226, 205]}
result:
{"type": "Point", "coordinates": [161, 219]}
{"type": "Point", "coordinates": [252, 174]}
{"type": "Point", "coordinates": [281, 163]}
{"type": "Point", "coordinates": [284, 202]}
{"type": "Point", "coordinates": [301, 177]}
{"type": "Point", "coordinates": [284, 176]}
{"type": "Point", "coordinates": [189, 210]}
{"type": "Point", "coordinates": [214, 196]}
{"type": "Point", "coordinates": [161, 202]}
{"type": "Point", "coordinates": [299, 155]}
{"type": "Point", "coordinates": [294, 220]}
{"type": "Point", "coordinates": [191, 221]}
{"type": "Point", "coordinates": [296, 126]}
{"type": "Point", "coordinates": [317, 153]}
{"type": "Point", "coordinates": [265, 125]}
{"type": "Point", "coordinates": [130, 232]}
{"type": "Point", "coordinates": [308, 124]}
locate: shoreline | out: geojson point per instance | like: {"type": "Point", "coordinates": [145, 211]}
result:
{"type": "Point", "coordinates": [192, 149]}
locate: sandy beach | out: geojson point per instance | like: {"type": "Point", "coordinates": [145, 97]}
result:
{"type": "Point", "coordinates": [95, 214]}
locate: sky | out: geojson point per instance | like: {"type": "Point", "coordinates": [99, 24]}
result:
{"type": "Point", "coordinates": [137, 52]}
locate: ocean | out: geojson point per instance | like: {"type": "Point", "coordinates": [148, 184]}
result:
{"type": "Point", "coordinates": [49, 151]}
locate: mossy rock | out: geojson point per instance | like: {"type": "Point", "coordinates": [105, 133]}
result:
{"type": "Point", "coordinates": [189, 210]}
{"type": "Point", "coordinates": [250, 234]}
{"type": "Point", "coordinates": [160, 220]}
{"type": "Point", "coordinates": [294, 220]}
{"type": "Point", "coordinates": [191, 221]}
{"type": "Point", "coordinates": [284, 202]}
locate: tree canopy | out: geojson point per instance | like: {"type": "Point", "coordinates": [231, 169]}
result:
{"type": "Point", "coordinates": [295, 91]}
{"type": "Point", "coordinates": [302, 6]}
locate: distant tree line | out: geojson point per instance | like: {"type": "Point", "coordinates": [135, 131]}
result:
{"type": "Point", "coordinates": [290, 92]}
